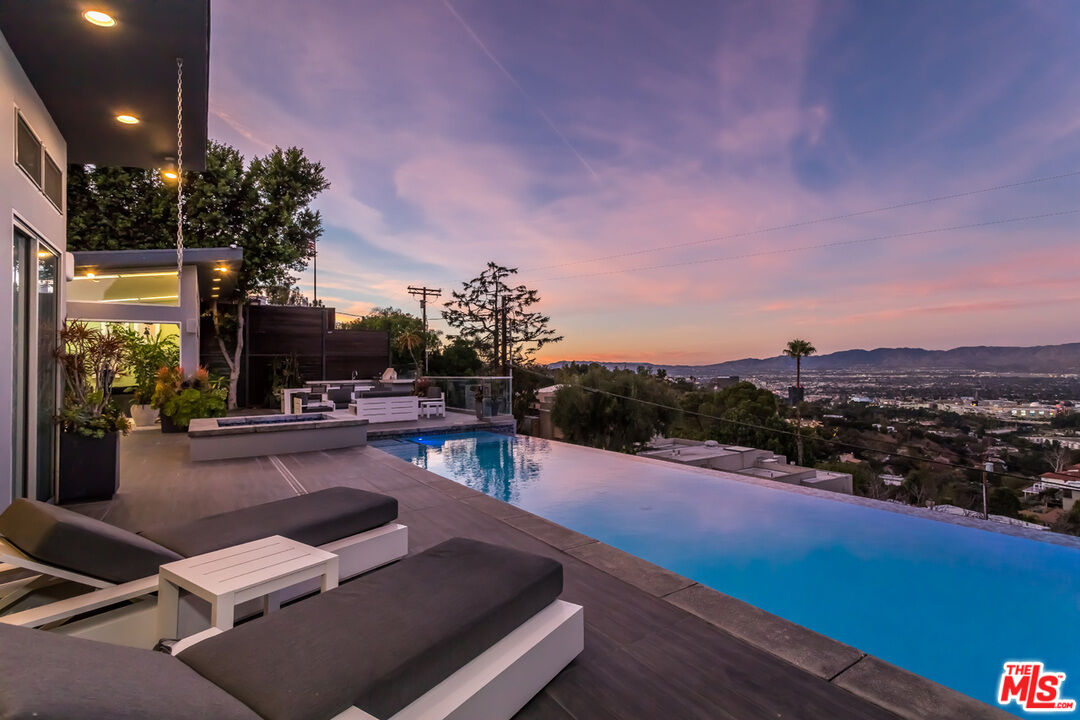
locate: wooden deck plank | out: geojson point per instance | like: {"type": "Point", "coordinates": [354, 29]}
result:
{"type": "Point", "coordinates": [644, 657]}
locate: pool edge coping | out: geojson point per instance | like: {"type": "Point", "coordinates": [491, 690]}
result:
{"type": "Point", "coordinates": [816, 654]}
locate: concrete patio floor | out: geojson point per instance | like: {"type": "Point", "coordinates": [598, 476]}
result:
{"type": "Point", "coordinates": [657, 645]}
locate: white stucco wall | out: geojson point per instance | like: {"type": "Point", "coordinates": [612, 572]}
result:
{"type": "Point", "coordinates": [21, 201]}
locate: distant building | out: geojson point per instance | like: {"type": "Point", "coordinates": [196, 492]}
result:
{"type": "Point", "coordinates": [718, 383]}
{"type": "Point", "coordinates": [751, 462]}
{"type": "Point", "coordinates": [890, 479]}
{"type": "Point", "coordinates": [862, 399]}
{"type": "Point", "coordinates": [1067, 482]}
{"type": "Point", "coordinates": [1068, 441]}
{"type": "Point", "coordinates": [850, 458]}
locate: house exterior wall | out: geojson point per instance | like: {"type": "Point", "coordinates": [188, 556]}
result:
{"type": "Point", "coordinates": [22, 203]}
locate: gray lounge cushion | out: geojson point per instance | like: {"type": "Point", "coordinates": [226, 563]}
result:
{"type": "Point", "coordinates": [68, 540]}
{"type": "Point", "coordinates": [45, 676]}
{"type": "Point", "coordinates": [383, 640]}
{"type": "Point", "coordinates": [341, 397]}
{"type": "Point", "coordinates": [315, 519]}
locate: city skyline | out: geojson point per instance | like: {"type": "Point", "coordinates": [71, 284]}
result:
{"type": "Point", "coordinates": [543, 136]}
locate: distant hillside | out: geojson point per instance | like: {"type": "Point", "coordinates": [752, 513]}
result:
{"type": "Point", "coordinates": [1037, 359]}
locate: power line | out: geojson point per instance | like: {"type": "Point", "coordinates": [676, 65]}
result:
{"type": "Point", "coordinates": [818, 246]}
{"type": "Point", "coordinates": [790, 433]}
{"type": "Point", "coordinates": [805, 223]}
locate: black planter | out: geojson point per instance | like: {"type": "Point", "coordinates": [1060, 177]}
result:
{"type": "Point", "coordinates": [89, 467]}
{"type": "Point", "coordinates": [168, 426]}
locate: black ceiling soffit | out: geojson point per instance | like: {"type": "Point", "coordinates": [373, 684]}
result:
{"type": "Point", "coordinates": [87, 75]}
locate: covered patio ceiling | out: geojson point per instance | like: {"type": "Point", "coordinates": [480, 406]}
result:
{"type": "Point", "coordinates": [217, 267]}
{"type": "Point", "coordinates": [87, 74]}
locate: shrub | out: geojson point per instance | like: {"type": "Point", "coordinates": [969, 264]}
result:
{"type": "Point", "coordinates": [182, 400]}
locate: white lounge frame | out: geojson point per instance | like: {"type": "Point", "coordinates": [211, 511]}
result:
{"type": "Point", "coordinates": [502, 679]}
{"type": "Point", "coordinates": [135, 624]}
{"type": "Point", "coordinates": [496, 684]}
{"type": "Point", "coordinates": [392, 408]}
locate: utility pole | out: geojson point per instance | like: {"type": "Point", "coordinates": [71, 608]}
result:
{"type": "Point", "coordinates": [423, 292]}
{"type": "Point", "coordinates": [315, 267]}
{"type": "Point", "coordinates": [988, 467]}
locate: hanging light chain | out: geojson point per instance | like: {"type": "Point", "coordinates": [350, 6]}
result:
{"type": "Point", "coordinates": [179, 169]}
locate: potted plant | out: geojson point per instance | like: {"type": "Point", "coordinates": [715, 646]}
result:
{"type": "Point", "coordinates": [146, 355]}
{"type": "Point", "coordinates": [90, 422]}
{"type": "Point", "coordinates": [181, 399]}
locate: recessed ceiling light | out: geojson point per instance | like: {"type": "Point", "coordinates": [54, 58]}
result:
{"type": "Point", "coordinates": [169, 174]}
{"type": "Point", "coordinates": [96, 17]}
{"type": "Point", "coordinates": [222, 268]}
{"type": "Point", "coordinates": [127, 119]}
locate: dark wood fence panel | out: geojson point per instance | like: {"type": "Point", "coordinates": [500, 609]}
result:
{"type": "Point", "coordinates": [275, 332]}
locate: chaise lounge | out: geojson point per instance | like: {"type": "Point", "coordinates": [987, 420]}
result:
{"type": "Point", "coordinates": [60, 544]}
{"type": "Point", "coordinates": [464, 630]}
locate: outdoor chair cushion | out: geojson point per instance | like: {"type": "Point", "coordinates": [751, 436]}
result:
{"type": "Point", "coordinates": [47, 676]}
{"type": "Point", "coordinates": [383, 640]}
{"type": "Point", "coordinates": [340, 397]}
{"type": "Point", "coordinates": [315, 519]}
{"type": "Point", "coordinates": [384, 393]}
{"type": "Point", "coordinates": [69, 540]}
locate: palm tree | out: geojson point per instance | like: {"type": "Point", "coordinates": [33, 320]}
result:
{"type": "Point", "coordinates": [411, 341]}
{"type": "Point", "coordinates": [799, 349]}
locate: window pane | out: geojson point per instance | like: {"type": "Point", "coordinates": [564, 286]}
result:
{"type": "Point", "coordinates": [54, 183]}
{"type": "Point", "coordinates": [28, 151]}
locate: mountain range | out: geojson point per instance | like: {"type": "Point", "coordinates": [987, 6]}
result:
{"type": "Point", "coordinates": [1036, 359]}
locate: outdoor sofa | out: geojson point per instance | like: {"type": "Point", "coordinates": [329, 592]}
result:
{"type": "Point", "coordinates": [60, 544]}
{"type": "Point", "coordinates": [464, 630]}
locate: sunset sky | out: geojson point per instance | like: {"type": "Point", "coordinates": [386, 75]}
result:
{"type": "Point", "coordinates": [552, 136]}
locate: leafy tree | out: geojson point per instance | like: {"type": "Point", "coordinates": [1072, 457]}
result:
{"type": "Point", "coordinates": [398, 324]}
{"type": "Point", "coordinates": [799, 349]}
{"type": "Point", "coordinates": [920, 486]}
{"type": "Point", "coordinates": [604, 408]}
{"type": "Point", "coordinates": [290, 295]}
{"type": "Point", "coordinates": [262, 207]}
{"type": "Point", "coordinates": [476, 313]}
{"type": "Point", "coordinates": [1003, 501]}
{"type": "Point", "coordinates": [741, 414]}
{"type": "Point", "coordinates": [458, 357]}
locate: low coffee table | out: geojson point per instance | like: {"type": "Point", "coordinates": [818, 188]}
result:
{"type": "Point", "coordinates": [226, 578]}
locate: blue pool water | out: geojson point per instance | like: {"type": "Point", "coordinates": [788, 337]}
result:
{"type": "Point", "coordinates": [948, 602]}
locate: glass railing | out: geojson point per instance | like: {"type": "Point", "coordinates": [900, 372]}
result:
{"type": "Point", "coordinates": [461, 393]}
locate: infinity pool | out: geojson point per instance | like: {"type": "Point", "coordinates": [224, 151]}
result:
{"type": "Point", "coordinates": [948, 602]}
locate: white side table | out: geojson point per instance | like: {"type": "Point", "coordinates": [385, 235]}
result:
{"type": "Point", "coordinates": [226, 578]}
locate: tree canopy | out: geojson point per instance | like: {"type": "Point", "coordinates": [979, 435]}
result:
{"type": "Point", "coordinates": [603, 408]}
{"type": "Point", "coordinates": [262, 207]}
{"type": "Point", "coordinates": [475, 312]}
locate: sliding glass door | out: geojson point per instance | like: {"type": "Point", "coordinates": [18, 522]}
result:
{"type": "Point", "coordinates": [20, 331]}
{"type": "Point", "coordinates": [48, 318]}
{"type": "Point", "coordinates": [35, 330]}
